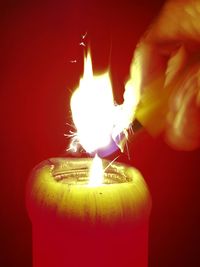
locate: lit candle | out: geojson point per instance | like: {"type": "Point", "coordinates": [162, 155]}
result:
{"type": "Point", "coordinates": [77, 224]}
{"type": "Point", "coordinates": [87, 212]}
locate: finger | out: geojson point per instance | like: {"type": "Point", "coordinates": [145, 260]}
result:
{"type": "Point", "coordinates": [166, 48]}
{"type": "Point", "coordinates": [151, 109]}
{"type": "Point", "coordinates": [183, 119]}
{"type": "Point", "coordinates": [177, 28]}
{"type": "Point", "coordinates": [178, 22]}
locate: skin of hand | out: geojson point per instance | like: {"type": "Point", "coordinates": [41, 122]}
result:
{"type": "Point", "coordinates": [168, 56]}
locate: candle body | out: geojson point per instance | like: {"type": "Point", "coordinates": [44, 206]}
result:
{"type": "Point", "coordinates": [76, 225]}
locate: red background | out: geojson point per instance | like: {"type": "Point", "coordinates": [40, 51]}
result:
{"type": "Point", "coordinates": [38, 40]}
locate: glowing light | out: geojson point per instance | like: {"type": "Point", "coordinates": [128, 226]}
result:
{"type": "Point", "coordinates": [92, 108]}
{"type": "Point", "coordinates": [96, 117]}
{"type": "Point", "coordinates": [96, 172]}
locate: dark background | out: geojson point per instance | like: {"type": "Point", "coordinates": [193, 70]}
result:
{"type": "Point", "coordinates": [38, 40]}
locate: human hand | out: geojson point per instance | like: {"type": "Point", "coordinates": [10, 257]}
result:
{"type": "Point", "coordinates": [169, 59]}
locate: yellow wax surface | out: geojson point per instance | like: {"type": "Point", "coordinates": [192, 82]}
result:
{"type": "Point", "coordinates": [124, 197]}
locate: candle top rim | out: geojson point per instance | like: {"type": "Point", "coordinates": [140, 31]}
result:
{"type": "Point", "coordinates": [75, 171]}
{"type": "Point", "coordinates": [43, 187]}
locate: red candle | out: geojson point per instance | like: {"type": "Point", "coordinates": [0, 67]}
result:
{"type": "Point", "coordinates": [75, 224]}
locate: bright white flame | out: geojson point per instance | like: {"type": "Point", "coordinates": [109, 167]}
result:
{"type": "Point", "coordinates": [97, 118]}
{"type": "Point", "coordinates": [92, 108]}
{"type": "Point", "coordinates": [96, 172]}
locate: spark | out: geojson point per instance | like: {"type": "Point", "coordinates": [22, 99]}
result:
{"type": "Point", "coordinates": [70, 134]}
{"type": "Point", "coordinates": [128, 153]}
{"type": "Point", "coordinates": [74, 144]}
{"type": "Point", "coordinates": [71, 125]}
{"type": "Point", "coordinates": [82, 44]}
{"type": "Point", "coordinates": [73, 61]}
{"type": "Point", "coordinates": [131, 129]}
{"type": "Point", "coordinates": [110, 163]}
{"type": "Point", "coordinates": [84, 35]}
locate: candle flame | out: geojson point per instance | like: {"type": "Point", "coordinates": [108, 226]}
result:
{"type": "Point", "coordinates": [98, 120]}
{"type": "Point", "coordinates": [96, 172]}
{"type": "Point", "coordinates": [92, 108]}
